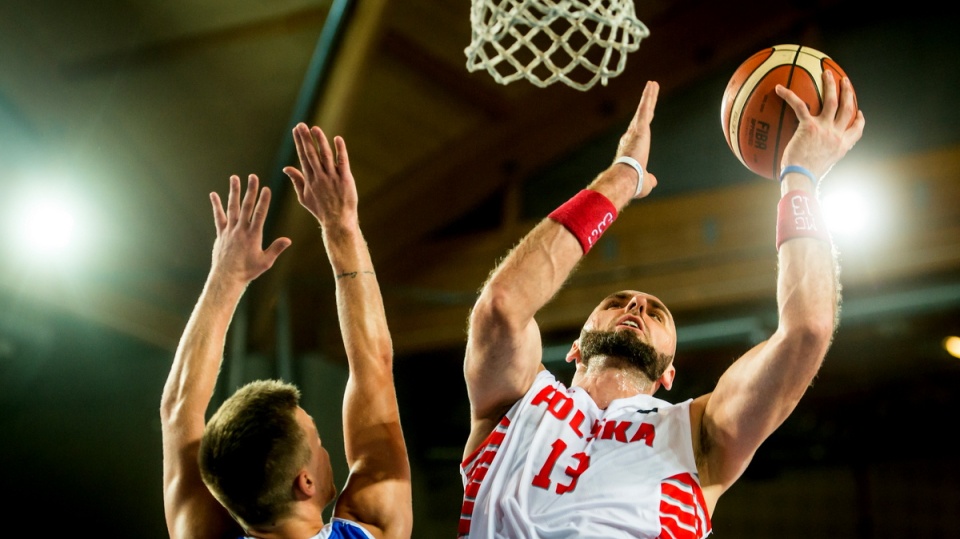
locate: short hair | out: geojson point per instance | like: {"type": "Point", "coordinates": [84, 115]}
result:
{"type": "Point", "coordinates": [251, 450]}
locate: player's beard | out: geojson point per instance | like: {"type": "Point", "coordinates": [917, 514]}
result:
{"type": "Point", "coordinates": [627, 346]}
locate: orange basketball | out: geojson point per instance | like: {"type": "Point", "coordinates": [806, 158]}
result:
{"type": "Point", "coordinates": [756, 122]}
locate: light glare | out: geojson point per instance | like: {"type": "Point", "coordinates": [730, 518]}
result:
{"type": "Point", "coordinates": [952, 346]}
{"type": "Point", "coordinates": [48, 226]}
{"type": "Point", "coordinates": [845, 213]}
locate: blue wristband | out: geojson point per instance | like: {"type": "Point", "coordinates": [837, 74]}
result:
{"type": "Point", "coordinates": [796, 168]}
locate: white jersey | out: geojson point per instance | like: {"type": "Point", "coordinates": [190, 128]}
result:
{"type": "Point", "coordinates": [558, 467]}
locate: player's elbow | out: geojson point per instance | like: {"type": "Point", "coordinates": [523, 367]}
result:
{"type": "Point", "coordinates": [381, 350]}
{"type": "Point", "coordinates": [168, 405]}
{"type": "Point", "coordinates": [492, 314]}
{"type": "Point", "coordinates": [173, 405]}
{"type": "Point", "coordinates": [811, 336]}
{"type": "Point", "coordinates": [169, 408]}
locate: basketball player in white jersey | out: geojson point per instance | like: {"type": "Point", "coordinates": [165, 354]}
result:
{"type": "Point", "coordinates": [604, 458]}
{"type": "Point", "coordinates": [258, 469]}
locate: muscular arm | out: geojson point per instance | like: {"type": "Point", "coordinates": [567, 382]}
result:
{"type": "Point", "coordinates": [190, 510]}
{"type": "Point", "coordinates": [378, 492]}
{"type": "Point", "coordinates": [504, 351]}
{"type": "Point", "coordinates": [760, 390]}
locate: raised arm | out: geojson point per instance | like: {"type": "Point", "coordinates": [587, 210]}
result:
{"type": "Point", "coordinates": [760, 390]}
{"type": "Point", "coordinates": [238, 258]}
{"type": "Point", "coordinates": [503, 349]}
{"type": "Point", "coordinates": [378, 492]}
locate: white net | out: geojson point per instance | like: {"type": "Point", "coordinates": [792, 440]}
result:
{"type": "Point", "coordinates": [545, 41]}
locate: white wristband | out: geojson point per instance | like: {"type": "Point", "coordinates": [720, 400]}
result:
{"type": "Point", "coordinates": [627, 160]}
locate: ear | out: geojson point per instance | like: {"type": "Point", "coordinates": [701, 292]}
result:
{"type": "Point", "coordinates": [304, 487]}
{"type": "Point", "coordinates": [666, 379]}
{"type": "Point", "coordinates": [574, 354]}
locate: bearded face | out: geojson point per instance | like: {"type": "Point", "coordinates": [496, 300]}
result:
{"type": "Point", "coordinates": [625, 345]}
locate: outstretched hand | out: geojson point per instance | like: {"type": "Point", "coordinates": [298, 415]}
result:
{"type": "Point", "coordinates": [325, 185]}
{"type": "Point", "coordinates": [635, 142]}
{"type": "Point", "coordinates": [822, 140]}
{"type": "Point", "coordinates": [237, 251]}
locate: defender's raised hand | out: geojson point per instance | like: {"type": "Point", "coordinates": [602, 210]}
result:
{"type": "Point", "coordinates": [238, 251]}
{"type": "Point", "coordinates": [325, 185]}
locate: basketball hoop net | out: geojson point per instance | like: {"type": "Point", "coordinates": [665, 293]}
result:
{"type": "Point", "coordinates": [545, 41]}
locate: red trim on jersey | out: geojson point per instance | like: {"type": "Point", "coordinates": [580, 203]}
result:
{"type": "Point", "coordinates": [683, 511]}
{"type": "Point", "coordinates": [475, 468]}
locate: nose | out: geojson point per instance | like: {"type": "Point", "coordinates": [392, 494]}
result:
{"type": "Point", "coordinates": [637, 303]}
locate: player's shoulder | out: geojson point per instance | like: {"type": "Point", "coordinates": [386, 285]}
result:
{"type": "Point", "coordinates": [697, 407]}
{"type": "Point", "coordinates": [342, 528]}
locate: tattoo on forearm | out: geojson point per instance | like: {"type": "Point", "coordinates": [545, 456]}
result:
{"type": "Point", "coordinates": [353, 274]}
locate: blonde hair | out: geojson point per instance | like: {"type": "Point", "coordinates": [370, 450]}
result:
{"type": "Point", "coordinates": [251, 450]}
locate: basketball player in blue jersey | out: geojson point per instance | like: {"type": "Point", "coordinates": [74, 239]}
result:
{"type": "Point", "coordinates": [258, 468]}
{"type": "Point", "coordinates": [604, 458]}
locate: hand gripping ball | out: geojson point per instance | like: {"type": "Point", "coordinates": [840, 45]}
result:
{"type": "Point", "coordinates": [756, 122]}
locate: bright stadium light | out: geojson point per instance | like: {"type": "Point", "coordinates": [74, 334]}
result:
{"type": "Point", "coordinates": [952, 345]}
{"type": "Point", "coordinates": [844, 212]}
{"type": "Point", "coordinates": [852, 212]}
{"type": "Point", "coordinates": [47, 226]}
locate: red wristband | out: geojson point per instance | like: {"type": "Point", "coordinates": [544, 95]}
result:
{"type": "Point", "coordinates": [799, 216]}
{"type": "Point", "coordinates": [587, 216]}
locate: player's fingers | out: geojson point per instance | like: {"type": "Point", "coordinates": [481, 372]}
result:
{"type": "Point", "coordinates": [296, 178]}
{"type": "Point", "coordinates": [233, 200]}
{"type": "Point", "coordinates": [303, 144]}
{"type": "Point", "coordinates": [249, 198]}
{"type": "Point", "coordinates": [326, 154]}
{"type": "Point", "coordinates": [343, 160]}
{"type": "Point", "coordinates": [848, 103]}
{"type": "Point", "coordinates": [798, 105]}
{"type": "Point", "coordinates": [830, 101]}
{"type": "Point", "coordinates": [219, 217]}
{"type": "Point", "coordinates": [260, 210]}
{"type": "Point", "coordinates": [648, 102]}
{"type": "Point", "coordinates": [276, 247]}
{"type": "Point", "coordinates": [649, 182]}
{"type": "Point", "coordinates": [853, 133]}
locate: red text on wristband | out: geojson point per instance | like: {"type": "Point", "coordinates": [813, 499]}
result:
{"type": "Point", "coordinates": [799, 216]}
{"type": "Point", "coordinates": [587, 216]}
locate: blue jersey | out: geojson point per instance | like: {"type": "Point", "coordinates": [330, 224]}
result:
{"type": "Point", "coordinates": [342, 529]}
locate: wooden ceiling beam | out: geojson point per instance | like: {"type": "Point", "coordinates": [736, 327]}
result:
{"type": "Point", "coordinates": [692, 269]}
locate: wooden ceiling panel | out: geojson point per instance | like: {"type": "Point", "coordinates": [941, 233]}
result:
{"type": "Point", "coordinates": [401, 119]}
{"type": "Point", "coordinates": [444, 30]}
